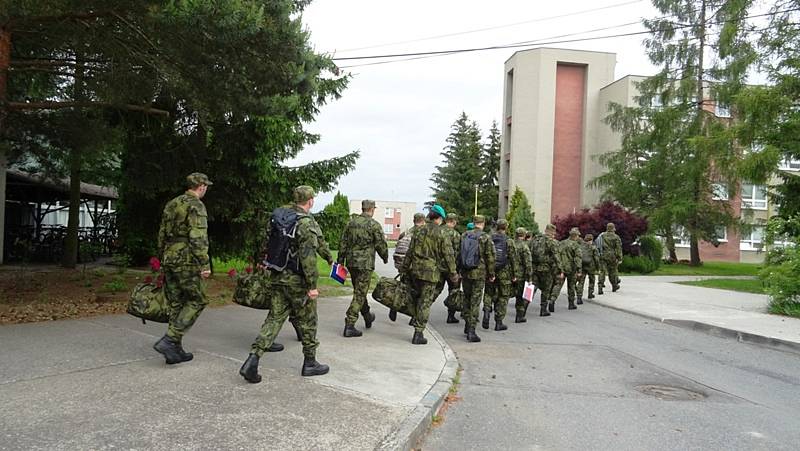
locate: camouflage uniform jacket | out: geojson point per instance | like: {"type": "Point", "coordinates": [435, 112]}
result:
{"type": "Point", "coordinates": [454, 238]}
{"type": "Point", "coordinates": [612, 247]}
{"type": "Point", "coordinates": [485, 269]}
{"type": "Point", "coordinates": [429, 251]}
{"type": "Point", "coordinates": [509, 271]}
{"type": "Point", "coordinates": [305, 245]}
{"type": "Point", "coordinates": [412, 231]}
{"type": "Point", "coordinates": [548, 248]}
{"type": "Point", "coordinates": [183, 235]}
{"type": "Point", "coordinates": [524, 270]}
{"type": "Point", "coordinates": [590, 258]}
{"type": "Point", "coordinates": [570, 254]}
{"type": "Point", "coordinates": [361, 239]}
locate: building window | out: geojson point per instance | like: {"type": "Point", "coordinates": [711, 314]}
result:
{"type": "Point", "coordinates": [719, 191]}
{"type": "Point", "coordinates": [722, 110]}
{"type": "Point", "coordinates": [754, 197]}
{"type": "Point", "coordinates": [721, 234]}
{"type": "Point", "coordinates": [388, 229]}
{"type": "Point", "coordinates": [681, 237]}
{"type": "Point", "coordinates": [789, 164]}
{"type": "Point", "coordinates": [388, 212]}
{"type": "Point", "coordinates": [753, 240]}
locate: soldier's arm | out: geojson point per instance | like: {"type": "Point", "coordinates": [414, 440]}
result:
{"type": "Point", "coordinates": [198, 235]}
{"type": "Point", "coordinates": [406, 265]}
{"type": "Point", "coordinates": [324, 250]}
{"type": "Point", "coordinates": [489, 256]}
{"type": "Point", "coordinates": [577, 261]}
{"type": "Point", "coordinates": [514, 258]}
{"type": "Point", "coordinates": [162, 238]}
{"type": "Point", "coordinates": [307, 245]}
{"type": "Point", "coordinates": [344, 244]}
{"type": "Point", "coordinates": [619, 249]}
{"type": "Point", "coordinates": [446, 248]}
{"type": "Point", "coordinates": [380, 241]}
{"type": "Point", "coordinates": [528, 265]}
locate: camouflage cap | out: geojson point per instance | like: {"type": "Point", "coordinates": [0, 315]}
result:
{"type": "Point", "coordinates": [502, 224]}
{"type": "Point", "coordinates": [479, 219]}
{"type": "Point", "coordinates": [367, 204]}
{"type": "Point", "coordinates": [550, 227]}
{"type": "Point", "coordinates": [611, 227]}
{"type": "Point", "coordinates": [419, 217]}
{"type": "Point", "coordinates": [452, 217]}
{"type": "Point", "coordinates": [588, 237]}
{"type": "Point", "coordinates": [521, 231]}
{"type": "Point", "coordinates": [574, 231]}
{"type": "Point", "coordinates": [303, 194]}
{"type": "Point", "coordinates": [197, 179]}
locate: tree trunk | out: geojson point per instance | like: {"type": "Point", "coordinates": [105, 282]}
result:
{"type": "Point", "coordinates": [5, 61]}
{"type": "Point", "coordinates": [670, 241]}
{"type": "Point", "coordinates": [694, 251]}
{"type": "Point", "coordinates": [694, 245]}
{"type": "Point", "coordinates": [71, 242]}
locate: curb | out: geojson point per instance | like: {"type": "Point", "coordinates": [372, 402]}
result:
{"type": "Point", "coordinates": [416, 424]}
{"type": "Point", "coordinates": [717, 331]}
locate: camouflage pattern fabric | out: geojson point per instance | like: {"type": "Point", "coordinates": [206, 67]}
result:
{"type": "Point", "coordinates": [455, 300]}
{"type": "Point", "coordinates": [524, 273]}
{"type": "Point", "coordinates": [546, 271]}
{"type": "Point", "coordinates": [582, 283]}
{"type": "Point", "coordinates": [473, 295]}
{"type": "Point", "coordinates": [590, 258]}
{"type": "Point", "coordinates": [183, 234]}
{"type": "Point", "coordinates": [499, 291]}
{"type": "Point", "coordinates": [486, 267]}
{"type": "Point", "coordinates": [252, 290]}
{"type": "Point", "coordinates": [394, 294]}
{"type": "Point", "coordinates": [149, 302]}
{"type": "Point", "coordinates": [610, 258]}
{"type": "Point", "coordinates": [424, 294]}
{"type": "Point", "coordinates": [455, 240]}
{"type": "Point", "coordinates": [361, 239]}
{"type": "Point", "coordinates": [361, 280]}
{"type": "Point", "coordinates": [544, 281]}
{"type": "Point", "coordinates": [428, 253]}
{"type": "Point", "coordinates": [186, 298]}
{"type": "Point", "coordinates": [571, 263]}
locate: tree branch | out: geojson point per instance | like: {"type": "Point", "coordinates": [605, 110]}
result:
{"type": "Point", "coordinates": [21, 106]}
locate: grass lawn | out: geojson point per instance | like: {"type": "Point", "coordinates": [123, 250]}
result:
{"type": "Point", "coordinates": [706, 269]}
{"type": "Point", "coordinates": [746, 285]}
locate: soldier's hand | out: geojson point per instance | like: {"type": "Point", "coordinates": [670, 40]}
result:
{"type": "Point", "coordinates": [385, 261]}
{"type": "Point", "coordinates": [313, 294]}
{"type": "Point", "coordinates": [514, 280]}
{"type": "Point", "coordinates": [491, 279]}
{"type": "Point", "coordinates": [455, 278]}
{"type": "Point", "coordinates": [330, 262]}
{"type": "Point", "coordinates": [205, 274]}
{"type": "Point", "coordinates": [579, 275]}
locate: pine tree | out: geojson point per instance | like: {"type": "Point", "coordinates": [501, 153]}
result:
{"type": "Point", "coordinates": [455, 180]}
{"type": "Point", "coordinates": [333, 219]}
{"type": "Point", "coordinates": [520, 214]}
{"type": "Point", "coordinates": [489, 190]}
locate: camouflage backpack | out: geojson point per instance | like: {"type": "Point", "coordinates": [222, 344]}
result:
{"type": "Point", "coordinates": [538, 250]}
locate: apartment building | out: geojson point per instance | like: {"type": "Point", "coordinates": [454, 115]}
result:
{"type": "Point", "coordinates": [394, 216]}
{"type": "Point", "coordinates": [555, 101]}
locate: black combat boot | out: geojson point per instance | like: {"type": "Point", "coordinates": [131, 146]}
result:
{"type": "Point", "coordinates": [275, 347]}
{"type": "Point", "coordinates": [368, 319]}
{"type": "Point", "coordinates": [313, 368]}
{"type": "Point", "coordinates": [591, 295]}
{"type": "Point", "coordinates": [249, 370]}
{"type": "Point", "coordinates": [393, 314]}
{"type": "Point", "coordinates": [520, 318]}
{"type": "Point", "coordinates": [167, 347]}
{"type": "Point", "coordinates": [543, 311]}
{"type": "Point", "coordinates": [614, 288]}
{"type": "Point", "coordinates": [466, 327]}
{"type": "Point", "coordinates": [600, 290]}
{"type": "Point", "coordinates": [472, 337]}
{"type": "Point", "coordinates": [411, 321]}
{"type": "Point", "coordinates": [498, 325]}
{"type": "Point", "coordinates": [185, 356]}
{"type": "Point", "coordinates": [451, 317]}
{"type": "Point", "coordinates": [297, 331]}
{"type": "Point", "coordinates": [572, 305]}
{"type": "Point", "coordinates": [485, 322]}
{"type": "Point", "coordinates": [580, 300]}
{"type": "Point", "coordinates": [351, 331]}
{"type": "Point", "coordinates": [551, 306]}
{"type": "Point", "coordinates": [419, 339]}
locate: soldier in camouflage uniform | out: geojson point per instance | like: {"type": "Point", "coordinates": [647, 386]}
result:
{"type": "Point", "coordinates": [474, 280]}
{"type": "Point", "coordinates": [455, 239]}
{"type": "Point", "coordinates": [570, 255]}
{"type": "Point", "coordinates": [183, 251]}
{"type": "Point", "coordinates": [590, 261]}
{"type": "Point", "coordinates": [428, 252]}
{"type": "Point", "coordinates": [524, 272]}
{"type": "Point", "coordinates": [419, 222]}
{"type": "Point", "coordinates": [293, 290]}
{"type": "Point", "coordinates": [502, 288]}
{"type": "Point", "coordinates": [546, 265]}
{"type": "Point", "coordinates": [361, 239]}
{"type": "Point", "coordinates": [610, 257]}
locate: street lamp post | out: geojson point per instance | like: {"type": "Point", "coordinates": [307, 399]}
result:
{"type": "Point", "coordinates": [476, 200]}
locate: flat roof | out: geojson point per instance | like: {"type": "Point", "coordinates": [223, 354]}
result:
{"type": "Point", "coordinates": [558, 49]}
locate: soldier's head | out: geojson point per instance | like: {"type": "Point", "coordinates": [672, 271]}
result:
{"type": "Point", "coordinates": [479, 221]}
{"type": "Point", "coordinates": [198, 183]}
{"type": "Point", "coordinates": [452, 220]}
{"type": "Point", "coordinates": [304, 197]}
{"type": "Point", "coordinates": [419, 219]}
{"type": "Point", "coordinates": [521, 232]}
{"type": "Point", "coordinates": [610, 227]}
{"type": "Point", "coordinates": [528, 236]}
{"type": "Point", "coordinates": [574, 233]}
{"type": "Point", "coordinates": [550, 230]}
{"type": "Point", "coordinates": [368, 207]}
{"type": "Point", "coordinates": [588, 238]}
{"type": "Point", "coordinates": [501, 225]}
{"type": "Point", "coordinates": [437, 214]}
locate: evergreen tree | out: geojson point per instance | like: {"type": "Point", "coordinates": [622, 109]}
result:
{"type": "Point", "coordinates": [674, 149]}
{"type": "Point", "coordinates": [333, 219]}
{"type": "Point", "coordinates": [520, 214]}
{"type": "Point", "coordinates": [489, 190]}
{"type": "Point", "coordinates": [455, 180]}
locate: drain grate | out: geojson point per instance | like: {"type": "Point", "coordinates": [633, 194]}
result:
{"type": "Point", "coordinates": [668, 393]}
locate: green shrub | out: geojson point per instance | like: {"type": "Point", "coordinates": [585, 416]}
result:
{"type": "Point", "coordinates": [640, 264]}
{"type": "Point", "coordinates": [651, 247]}
{"type": "Point", "coordinates": [782, 282]}
{"type": "Point", "coordinates": [116, 285]}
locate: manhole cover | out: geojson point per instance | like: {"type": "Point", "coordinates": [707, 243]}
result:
{"type": "Point", "coordinates": [668, 393]}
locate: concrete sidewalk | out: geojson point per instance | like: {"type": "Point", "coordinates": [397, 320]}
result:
{"type": "Point", "coordinates": [742, 316]}
{"type": "Point", "coordinates": [98, 384]}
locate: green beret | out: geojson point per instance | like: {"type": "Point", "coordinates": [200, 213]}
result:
{"type": "Point", "coordinates": [303, 194]}
{"type": "Point", "coordinates": [439, 210]}
{"type": "Point", "coordinates": [196, 179]}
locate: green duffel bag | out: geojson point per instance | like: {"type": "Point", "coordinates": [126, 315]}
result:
{"type": "Point", "coordinates": [149, 303]}
{"type": "Point", "coordinates": [252, 290]}
{"type": "Point", "coordinates": [394, 294]}
{"type": "Point", "coordinates": [455, 300]}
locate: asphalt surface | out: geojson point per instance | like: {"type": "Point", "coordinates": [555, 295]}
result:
{"type": "Point", "coordinates": [598, 378]}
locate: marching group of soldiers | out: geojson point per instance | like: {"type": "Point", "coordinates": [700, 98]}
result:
{"type": "Point", "coordinates": [490, 267]}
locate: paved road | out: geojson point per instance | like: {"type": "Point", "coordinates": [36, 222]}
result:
{"type": "Point", "coordinates": [583, 380]}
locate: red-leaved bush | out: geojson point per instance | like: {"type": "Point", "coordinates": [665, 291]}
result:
{"type": "Point", "coordinates": [630, 226]}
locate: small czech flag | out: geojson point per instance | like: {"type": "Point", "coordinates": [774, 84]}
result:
{"type": "Point", "coordinates": [528, 291]}
{"type": "Point", "coordinates": [338, 273]}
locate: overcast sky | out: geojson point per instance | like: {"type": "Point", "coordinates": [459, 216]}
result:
{"type": "Point", "coordinates": [399, 114]}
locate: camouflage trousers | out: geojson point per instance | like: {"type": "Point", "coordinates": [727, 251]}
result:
{"type": "Point", "coordinates": [361, 280]}
{"type": "Point", "coordinates": [571, 280]}
{"type": "Point", "coordinates": [521, 305]}
{"type": "Point", "coordinates": [496, 298]}
{"type": "Point", "coordinates": [544, 280]}
{"type": "Point", "coordinates": [186, 298]}
{"type": "Point", "coordinates": [581, 282]}
{"type": "Point", "coordinates": [608, 268]}
{"type": "Point", "coordinates": [473, 294]}
{"type": "Point", "coordinates": [289, 300]}
{"type": "Point", "coordinates": [451, 287]}
{"type": "Point", "coordinates": [424, 294]}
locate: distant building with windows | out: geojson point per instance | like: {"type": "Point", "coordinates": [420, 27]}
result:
{"type": "Point", "coordinates": [554, 104]}
{"type": "Point", "coordinates": [395, 217]}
